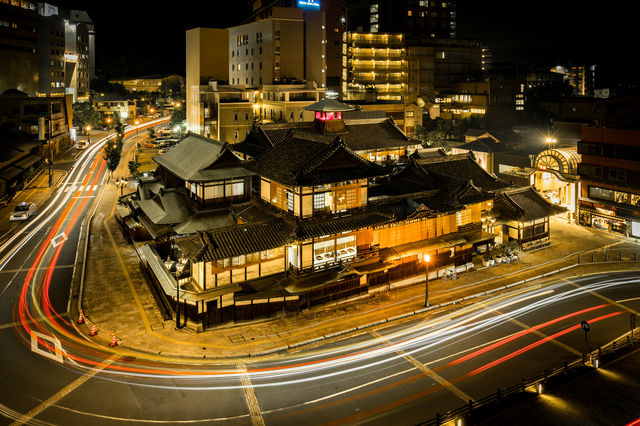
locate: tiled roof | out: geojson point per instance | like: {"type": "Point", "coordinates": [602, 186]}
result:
{"type": "Point", "coordinates": [194, 160]}
{"type": "Point", "coordinates": [465, 167]}
{"type": "Point", "coordinates": [303, 160]}
{"type": "Point", "coordinates": [270, 231]}
{"type": "Point", "coordinates": [524, 204]}
{"type": "Point", "coordinates": [232, 241]}
{"type": "Point", "coordinates": [169, 206]}
{"type": "Point", "coordinates": [359, 135]}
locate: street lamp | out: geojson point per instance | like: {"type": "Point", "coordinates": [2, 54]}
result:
{"type": "Point", "coordinates": [121, 184]}
{"type": "Point", "coordinates": [427, 258]}
{"type": "Point", "coordinates": [551, 142]}
{"type": "Point", "coordinates": [88, 136]}
{"type": "Point", "coordinates": [137, 122]}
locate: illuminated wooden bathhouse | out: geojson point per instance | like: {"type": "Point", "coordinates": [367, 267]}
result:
{"type": "Point", "coordinates": [327, 224]}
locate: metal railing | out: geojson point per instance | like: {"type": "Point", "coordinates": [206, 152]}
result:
{"type": "Point", "coordinates": [595, 359]}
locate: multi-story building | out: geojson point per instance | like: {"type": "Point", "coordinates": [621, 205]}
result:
{"type": "Point", "coordinates": [75, 17]}
{"type": "Point", "coordinates": [332, 17]}
{"type": "Point", "coordinates": [221, 112]}
{"type": "Point", "coordinates": [434, 68]}
{"type": "Point", "coordinates": [609, 173]}
{"type": "Point", "coordinates": [45, 51]}
{"type": "Point", "coordinates": [464, 100]}
{"type": "Point", "coordinates": [64, 54]}
{"type": "Point", "coordinates": [34, 129]}
{"type": "Point", "coordinates": [272, 51]}
{"type": "Point", "coordinates": [395, 70]}
{"type": "Point", "coordinates": [419, 20]}
{"type": "Point", "coordinates": [374, 62]}
{"type": "Point", "coordinates": [278, 103]}
{"type": "Point", "coordinates": [207, 59]}
{"type": "Point", "coordinates": [115, 106]}
{"type": "Point", "coordinates": [582, 78]}
{"type": "Point", "coordinates": [19, 47]}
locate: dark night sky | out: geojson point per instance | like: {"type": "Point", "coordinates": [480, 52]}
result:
{"type": "Point", "coordinates": [566, 31]}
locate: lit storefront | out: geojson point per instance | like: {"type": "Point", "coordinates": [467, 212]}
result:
{"type": "Point", "coordinates": [611, 210]}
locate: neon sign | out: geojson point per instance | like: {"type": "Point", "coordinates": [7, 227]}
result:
{"type": "Point", "coordinates": [309, 4]}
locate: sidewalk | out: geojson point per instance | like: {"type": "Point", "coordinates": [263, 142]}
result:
{"type": "Point", "coordinates": [117, 299]}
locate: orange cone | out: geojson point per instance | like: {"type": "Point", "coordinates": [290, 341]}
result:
{"type": "Point", "coordinates": [93, 330]}
{"type": "Point", "coordinates": [81, 319]}
{"type": "Point", "coordinates": [113, 341]}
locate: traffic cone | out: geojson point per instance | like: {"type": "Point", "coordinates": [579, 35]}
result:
{"type": "Point", "coordinates": [93, 330]}
{"type": "Point", "coordinates": [113, 341]}
{"type": "Point", "coordinates": [81, 319]}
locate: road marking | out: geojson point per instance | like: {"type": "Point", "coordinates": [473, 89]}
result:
{"type": "Point", "coordinates": [58, 239]}
{"type": "Point", "coordinates": [250, 395]}
{"type": "Point", "coordinates": [35, 347]}
{"type": "Point", "coordinates": [420, 366]}
{"type": "Point", "coordinates": [606, 299]}
{"type": "Point", "coordinates": [64, 392]}
{"type": "Point", "coordinates": [536, 332]}
{"type": "Point", "coordinates": [31, 321]}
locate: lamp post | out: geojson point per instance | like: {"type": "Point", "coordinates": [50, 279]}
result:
{"type": "Point", "coordinates": [427, 258]}
{"type": "Point", "coordinates": [121, 184]}
{"type": "Point", "coordinates": [88, 136]}
{"type": "Point", "coordinates": [137, 122]}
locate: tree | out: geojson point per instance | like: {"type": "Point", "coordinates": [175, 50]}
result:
{"type": "Point", "coordinates": [179, 116]}
{"type": "Point", "coordinates": [151, 132]}
{"type": "Point", "coordinates": [113, 153]}
{"type": "Point", "coordinates": [84, 114]}
{"type": "Point", "coordinates": [133, 168]}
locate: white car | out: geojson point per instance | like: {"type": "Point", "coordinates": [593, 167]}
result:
{"type": "Point", "coordinates": [82, 145]}
{"type": "Point", "coordinates": [23, 211]}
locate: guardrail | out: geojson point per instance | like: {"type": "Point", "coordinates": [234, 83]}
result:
{"type": "Point", "coordinates": [464, 414]}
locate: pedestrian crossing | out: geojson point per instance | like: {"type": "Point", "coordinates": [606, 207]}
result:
{"type": "Point", "coordinates": [80, 188]}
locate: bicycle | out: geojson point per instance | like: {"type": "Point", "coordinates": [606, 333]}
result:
{"type": "Point", "coordinates": [449, 275]}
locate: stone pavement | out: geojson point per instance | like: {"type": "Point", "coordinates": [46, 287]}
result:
{"type": "Point", "coordinates": [117, 299]}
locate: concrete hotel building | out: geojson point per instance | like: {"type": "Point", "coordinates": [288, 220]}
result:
{"type": "Point", "coordinates": [272, 51]}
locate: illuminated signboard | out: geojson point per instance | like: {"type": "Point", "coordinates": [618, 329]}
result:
{"type": "Point", "coordinates": [309, 4]}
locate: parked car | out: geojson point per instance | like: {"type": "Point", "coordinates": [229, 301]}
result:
{"type": "Point", "coordinates": [82, 145]}
{"type": "Point", "coordinates": [163, 151]}
{"type": "Point", "coordinates": [151, 144]}
{"type": "Point", "coordinates": [23, 211]}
